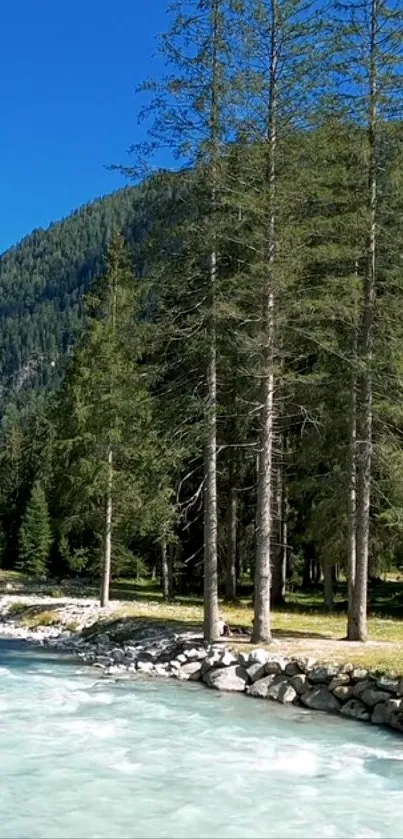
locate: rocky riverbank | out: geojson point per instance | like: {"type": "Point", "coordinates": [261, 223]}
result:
{"type": "Point", "coordinates": [122, 648]}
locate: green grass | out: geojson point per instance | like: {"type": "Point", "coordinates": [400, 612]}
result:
{"type": "Point", "coordinates": [38, 619]}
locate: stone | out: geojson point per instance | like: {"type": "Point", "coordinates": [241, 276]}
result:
{"type": "Point", "coordinates": [232, 678]}
{"type": "Point", "coordinates": [118, 655]}
{"type": "Point", "coordinates": [298, 682]}
{"type": "Point", "coordinates": [400, 688]}
{"type": "Point", "coordinates": [255, 671]}
{"type": "Point", "coordinates": [259, 656]}
{"type": "Point", "coordinates": [175, 664]}
{"type": "Point", "coordinates": [227, 659]}
{"type": "Point", "coordinates": [358, 674]}
{"type": "Point", "coordinates": [380, 715]}
{"type": "Point", "coordinates": [356, 710]}
{"type": "Point", "coordinates": [394, 705]}
{"type": "Point", "coordinates": [145, 666]}
{"type": "Point", "coordinates": [320, 699]}
{"type": "Point", "coordinates": [347, 668]}
{"type": "Point", "coordinates": [388, 683]}
{"type": "Point", "coordinates": [360, 687]}
{"type": "Point", "coordinates": [292, 668]}
{"type": "Point", "coordinates": [192, 669]}
{"type": "Point", "coordinates": [306, 664]}
{"type": "Point", "coordinates": [259, 689]}
{"type": "Point", "coordinates": [340, 679]}
{"type": "Point", "coordinates": [396, 721]}
{"type": "Point", "coordinates": [372, 697]}
{"type": "Point", "coordinates": [181, 658]}
{"type": "Point", "coordinates": [343, 692]}
{"type": "Point", "coordinates": [274, 666]}
{"type": "Point", "coordinates": [196, 654]}
{"type": "Point", "coordinates": [103, 639]}
{"type": "Point", "coordinates": [322, 675]}
{"type": "Point", "coordinates": [211, 661]}
{"type": "Point", "coordinates": [287, 694]}
{"type": "Point", "coordinates": [277, 688]}
{"type": "Point", "coordinates": [161, 670]}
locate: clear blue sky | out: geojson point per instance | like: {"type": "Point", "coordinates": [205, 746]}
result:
{"type": "Point", "coordinates": [68, 73]}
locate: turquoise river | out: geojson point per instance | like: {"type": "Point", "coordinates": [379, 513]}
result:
{"type": "Point", "coordinates": [81, 756]}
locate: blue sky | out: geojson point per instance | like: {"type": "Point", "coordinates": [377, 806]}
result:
{"type": "Point", "coordinates": [68, 73]}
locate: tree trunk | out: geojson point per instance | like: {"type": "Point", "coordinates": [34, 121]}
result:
{"type": "Point", "coordinates": [211, 616]}
{"type": "Point", "coordinates": [261, 624]}
{"type": "Point", "coordinates": [171, 561]}
{"type": "Point", "coordinates": [164, 569]}
{"type": "Point", "coordinates": [307, 573]}
{"type": "Point", "coordinates": [352, 522]}
{"type": "Point", "coordinates": [232, 543]}
{"type": "Point", "coordinates": [106, 570]}
{"type": "Point", "coordinates": [328, 585]}
{"type": "Point", "coordinates": [279, 554]}
{"type": "Point", "coordinates": [358, 626]}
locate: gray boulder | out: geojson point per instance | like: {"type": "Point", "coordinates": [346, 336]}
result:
{"type": "Point", "coordinates": [278, 688]}
{"type": "Point", "coordinates": [323, 675]}
{"type": "Point", "coordinates": [292, 668]}
{"type": "Point", "coordinates": [356, 710]}
{"type": "Point", "coordinates": [259, 689]}
{"type": "Point", "coordinates": [343, 692]}
{"type": "Point", "coordinates": [306, 664]}
{"type": "Point", "coordinates": [380, 714]}
{"type": "Point", "coordinates": [258, 656]}
{"type": "Point", "coordinates": [320, 699]}
{"type": "Point", "coordinates": [274, 666]}
{"type": "Point", "coordinates": [388, 683]}
{"type": "Point", "coordinates": [192, 670]}
{"type": "Point", "coordinates": [255, 671]}
{"type": "Point", "coordinates": [145, 666]}
{"type": "Point", "coordinates": [362, 686]}
{"type": "Point", "coordinates": [227, 659]}
{"type": "Point", "coordinates": [358, 674]}
{"type": "Point", "coordinates": [372, 697]}
{"type": "Point", "coordinates": [339, 680]}
{"type": "Point", "coordinates": [232, 678]}
{"type": "Point", "coordinates": [287, 694]}
{"type": "Point", "coordinates": [298, 682]}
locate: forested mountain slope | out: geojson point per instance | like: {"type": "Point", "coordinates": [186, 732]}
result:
{"type": "Point", "coordinates": [43, 280]}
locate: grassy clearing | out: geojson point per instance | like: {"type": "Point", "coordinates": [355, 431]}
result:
{"type": "Point", "coordinates": [303, 627]}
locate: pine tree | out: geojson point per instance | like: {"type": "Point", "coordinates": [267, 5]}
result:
{"type": "Point", "coordinates": [190, 111]}
{"type": "Point", "coordinates": [116, 462]}
{"type": "Point", "coordinates": [35, 537]}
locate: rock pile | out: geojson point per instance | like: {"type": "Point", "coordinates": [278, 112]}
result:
{"type": "Point", "coordinates": [148, 649]}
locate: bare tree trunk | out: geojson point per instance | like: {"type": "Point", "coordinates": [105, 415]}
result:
{"type": "Point", "coordinates": [279, 555]}
{"type": "Point", "coordinates": [106, 569]}
{"type": "Point", "coordinates": [232, 542]}
{"type": "Point", "coordinates": [261, 624]}
{"type": "Point", "coordinates": [328, 585]}
{"type": "Point", "coordinates": [307, 573]}
{"type": "Point", "coordinates": [165, 568]}
{"type": "Point", "coordinates": [171, 576]}
{"type": "Point", "coordinates": [358, 629]}
{"type": "Point", "coordinates": [352, 522]}
{"type": "Point", "coordinates": [211, 616]}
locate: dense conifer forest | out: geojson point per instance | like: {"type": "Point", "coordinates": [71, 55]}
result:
{"type": "Point", "coordinates": [202, 374]}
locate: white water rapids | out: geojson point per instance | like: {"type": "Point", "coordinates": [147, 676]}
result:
{"type": "Point", "coordinates": [81, 756]}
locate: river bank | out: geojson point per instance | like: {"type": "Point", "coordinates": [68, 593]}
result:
{"type": "Point", "coordinates": [122, 647]}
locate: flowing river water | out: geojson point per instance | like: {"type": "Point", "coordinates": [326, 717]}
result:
{"type": "Point", "coordinates": [81, 756]}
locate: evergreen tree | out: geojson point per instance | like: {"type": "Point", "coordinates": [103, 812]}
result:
{"type": "Point", "coordinates": [35, 537]}
{"type": "Point", "coordinates": [109, 445]}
